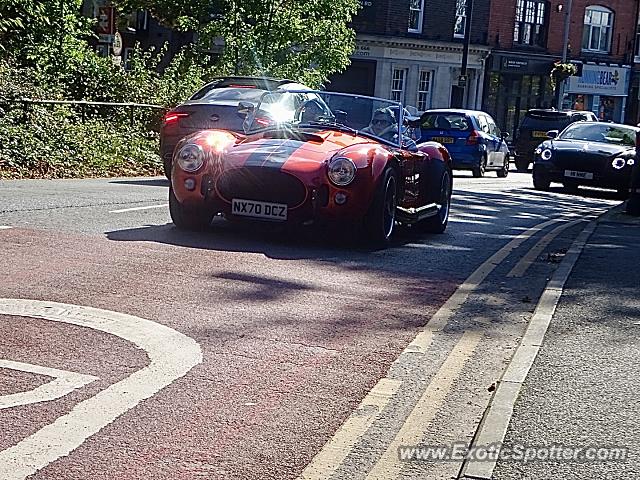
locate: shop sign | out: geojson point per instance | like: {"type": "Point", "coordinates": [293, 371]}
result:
{"type": "Point", "coordinates": [600, 80]}
{"type": "Point", "coordinates": [511, 63]}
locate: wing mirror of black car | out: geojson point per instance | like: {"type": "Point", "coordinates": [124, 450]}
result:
{"type": "Point", "coordinates": [552, 134]}
{"type": "Point", "coordinates": [505, 136]}
{"type": "Point", "coordinates": [340, 116]}
{"type": "Point", "coordinates": [246, 108]}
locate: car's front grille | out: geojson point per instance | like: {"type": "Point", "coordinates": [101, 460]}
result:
{"type": "Point", "coordinates": [262, 184]}
{"type": "Point", "coordinates": [580, 161]}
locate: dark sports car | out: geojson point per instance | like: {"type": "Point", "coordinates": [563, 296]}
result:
{"type": "Point", "coordinates": [587, 153]}
{"type": "Point", "coordinates": [214, 106]}
{"type": "Point", "coordinates": [313, 157]}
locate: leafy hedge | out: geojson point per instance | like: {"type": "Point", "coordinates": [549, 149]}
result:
{"type": "Point", "coordinates": [54, 141]}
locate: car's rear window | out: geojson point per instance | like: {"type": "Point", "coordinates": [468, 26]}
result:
{"type": "Point", "coordinates": [229, 94]}
{"type": "Point", "coordinates": [445, 121]}
{"type": "Point", "coordinates": [545, 122]}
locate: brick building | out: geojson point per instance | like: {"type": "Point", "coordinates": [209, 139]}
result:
{"type": "Point", "coordinates": [411, 50]}
{"type": "Point", "coordinates": [526, 37]}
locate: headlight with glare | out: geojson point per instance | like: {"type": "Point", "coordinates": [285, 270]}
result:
{"type": "Point", "coordinates": [546, 154]}
{"type": "Point", "coordinates": [190, 157]}
{"type": "Point", "coordinates": [619, 163]}
{"type": "Point", "coordinates": [342, 171]}
{"type": "Point", "coordinates": [538, 151]}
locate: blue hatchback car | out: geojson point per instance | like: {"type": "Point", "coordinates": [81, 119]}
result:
{"type": "Point", "coordinates": [471, 137]}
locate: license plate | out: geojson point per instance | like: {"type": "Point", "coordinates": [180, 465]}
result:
{"type": "Point", "coordinates": [576, 174]}
{"type": "Point", "coordinates": [251, 208]}
{"type": "Point", "coordinates": [539, 134]}
{"type": "Point", "coordinates": [443, 139]}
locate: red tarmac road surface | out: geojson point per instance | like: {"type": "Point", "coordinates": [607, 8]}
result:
{"type": "Point", "coordinates": [290, 348]}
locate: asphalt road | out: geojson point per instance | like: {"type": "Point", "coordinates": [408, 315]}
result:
{"type": "Point", "coordinates": [293, 333]}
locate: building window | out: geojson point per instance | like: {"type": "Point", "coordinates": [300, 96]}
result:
{"type": "Point", "coordinates": [397, 84]}
{"type": "Point", "coordinates": [416, 10]}
{"type": "Point", "coordinates": [424, 91]}
{"type": "Point", "coordinates": [461, 19]}
{"type": "Point", "coordinates": [530, 28]}
{"type": "Point", "coordinates": [597, 29]}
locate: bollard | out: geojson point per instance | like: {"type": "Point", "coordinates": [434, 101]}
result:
{"type": "Point", "coordinates": [633, 204]}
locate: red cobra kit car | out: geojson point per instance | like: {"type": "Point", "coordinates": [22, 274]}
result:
{"type": "Point", "coordinates": [312, 157]}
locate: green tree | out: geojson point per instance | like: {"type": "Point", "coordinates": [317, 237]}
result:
{"type": "Point", "coordinates": [305, 40]}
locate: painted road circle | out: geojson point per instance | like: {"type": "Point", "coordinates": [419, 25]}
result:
{"type": "Point", "coordinates": [171, 356]}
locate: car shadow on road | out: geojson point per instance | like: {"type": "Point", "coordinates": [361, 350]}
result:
{"type": "Point", "coordinates": [144, 182]}
{"type": "Point", "coordinates": [280, 243]}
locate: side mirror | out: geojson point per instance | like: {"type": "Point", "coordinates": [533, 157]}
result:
{"type": "Point", "coordinates": [505, 136]}
{"type": "Point", "coordinates": [245, 109]}
{"type": "Point", "coordinates": [552, 133]}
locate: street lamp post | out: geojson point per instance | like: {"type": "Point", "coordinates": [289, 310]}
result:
{"type": "Point", "coordinates": [463, 81]}
{"type": "Point", "coordinates": [565, 51]}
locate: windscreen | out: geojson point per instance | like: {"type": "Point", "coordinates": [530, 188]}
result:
{"type": "Point", "coordinates": [600, 133]}
{"type": "Point", "coordinates": [446, 121]}
{"type": "Point", "coordinates": [367, 116]}
{"type": "Point", "coordinates": [229, 94]}
{"type": "Point", "coordinates": [544, 123]}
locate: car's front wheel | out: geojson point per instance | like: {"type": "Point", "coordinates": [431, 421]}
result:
{"type": "Point", "coordinates": [540, 180]}
{"type": "Point", "coordinates": [522, 164]}
{"type": "Point", "coordinates": [379, 223]}
{"type": "Point", "coordinates": [188, 218]}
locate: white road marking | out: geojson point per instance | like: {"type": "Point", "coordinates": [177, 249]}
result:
{"type": "Point", "coordinates": [5, 227]}
{"type": "Point", "coordinates": [421, 344]}
{"type": "Point", "coordinates": [333, 454]}
{"type": "Point", "coordinates": [525, 262]}
{"type": "Point", "coordinates": [171, 356]}
{"type": "Point", "coordinates": [135, 209]}
{"type": "Point", "coordinates": [64, 383]}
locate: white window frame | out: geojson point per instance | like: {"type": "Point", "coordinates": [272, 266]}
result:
{"type": "Point", "coordinates": [402, 83]}
{"type": "Point", "coordinates": [531, 22]}
{"type": "Point", "coordinates": [461, 13]}
{"type": "Point", "coordinates": [599, 26]}
{"type": "Point", "coordinates": [420, 16]}
{"type": "Point", "coordinates": [424, 96]}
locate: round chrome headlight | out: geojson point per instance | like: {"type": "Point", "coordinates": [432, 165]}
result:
{"type": "Point", "coordinates": [342, 171]}
{"type": "Point", "coordinates": [190, 157]}
{"type": "Point", "coordinates": [546, 154]}
{"type": "Point", "coordinates": [619, 163]}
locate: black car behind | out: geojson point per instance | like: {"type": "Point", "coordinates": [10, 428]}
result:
{"type": "Point", "coordinates": [587, 153]}
{"type": "Point", "coordinates": [534, 127]}
{"type": "Point", "coordinates": [214, 106]}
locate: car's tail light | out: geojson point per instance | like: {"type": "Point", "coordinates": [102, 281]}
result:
{"type": "Point", "coordinates": [172, 118]}
{"type": "Point", "coordinates": [474, 138]}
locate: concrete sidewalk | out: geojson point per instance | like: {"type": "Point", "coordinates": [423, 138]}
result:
{"type": "Point", "coordinates": [584, 387]}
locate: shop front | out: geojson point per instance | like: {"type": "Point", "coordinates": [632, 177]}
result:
{"type": "Point", "coordinates": [514, 84]}
{"type": "Point", "coordinates": [600, 89]}
{"type": "Point", "coordinates": [412, 71]}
